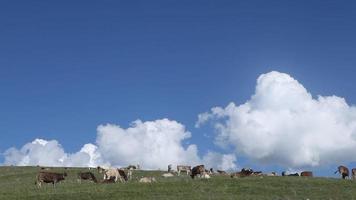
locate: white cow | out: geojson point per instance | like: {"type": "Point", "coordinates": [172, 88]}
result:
{"type": "Point", "coordinates": [109, 172]}
{"type": "Point", "coordinates": [166, 175]}
{"type": "Point", "coordinates": [147, 180]}
{"type": "Point", "coordinates": [186, 168]}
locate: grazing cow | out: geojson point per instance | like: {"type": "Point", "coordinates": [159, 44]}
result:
{"type": "Point", "coordinates": [307, 174]}
{"type": "Point", "coordinates": [344, 171]}
{"type": "Point", "coordinates": [181, 168]}
{"type": "Point", "coordinates": [49, 177]}
{"type": "Point", "coordinates": [198, 170]}
{"type": "Point", "coordinates": [109, 173]}
{"type": "Point", "coordinates": [110, 180]}
{"type": "Point", "coordinates": [86, 176]}
{"type": "Point", "coordinates": [147, 180]}
{"type": "Point", "coordinates": [166, 175]}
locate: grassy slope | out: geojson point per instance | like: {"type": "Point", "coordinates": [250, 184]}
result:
{"type": "Point", "coordinates": [18, 183]}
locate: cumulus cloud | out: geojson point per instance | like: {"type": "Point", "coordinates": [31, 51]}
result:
{"type": "Point", "coordinates": [151, 144]}
{"type": "Point", "coordinates": [220, 161]}
{"type": "Point", "coordinates": [49, 153]}
{"type": "Point", "coordinates": [283, 124]}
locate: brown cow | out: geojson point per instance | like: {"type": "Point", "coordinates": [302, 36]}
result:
{"type": "Point", "coordinates": [49, 177]}
{"type": "Point", "coordinates": [197, 170]}
{"type": "Point", "coordinates": [353, 171]}
{"type": "Point", "coordinates": [86, 176]}
{"type": "Point", "coordinates": [307, 173]}
{"type": "Point", "coordinates": [344, 171]}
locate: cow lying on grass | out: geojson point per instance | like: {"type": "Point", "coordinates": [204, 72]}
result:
{"type": "Point", "coordinates": [147, 180]}
{"type": "Point", "coordinates": [49, 177]}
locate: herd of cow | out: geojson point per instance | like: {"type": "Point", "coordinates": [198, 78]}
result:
{"type": "Point", "coordinates": [112, 175]}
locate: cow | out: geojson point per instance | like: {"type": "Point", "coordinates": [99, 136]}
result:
{"type": "Point", "coordinates": [109, 173]}
{"type": "Point", "coordinates": [123, 174]}
{"type": "Point", "coordinates": [86, 176]}
{"type": "Point", "coordinates": [257, 173]}
{"type": "Point", "coordinates": [344, 171]}
{"type": "Point", "coordinates": [353, 171]}
{"type": "Point", "coordinates": [132, 167]}
{"type": "Point", "coordinates": [110, 180]}
{"type": "Point", "coordinates": [271, 174]}
{"type": "Point", "coordinates": [285, 174]}
{"type": "Point", "coordinates": [205, 176]}
{"type": "Point", "coordinates": [166, 175]}
{"type": "Point", "coordinates": [181, 168]}
{"type": "Point", "coordinates": [243, 173]}
{"type": "Point", "coordinates": [147, 180]}
{"type": "Point", "coordinates": [306, 173]}
{"type": "Point", "coordinates": [198, 170]}
{"type": "Point", "coordinates": [49, 177]}
{"type": "Point", "coordinates": [221, 172]}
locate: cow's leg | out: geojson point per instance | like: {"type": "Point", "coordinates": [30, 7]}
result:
{"type": "Point", "coordinates": [178, 172]}
{"type": "Point", "coordinates": [39, 184]}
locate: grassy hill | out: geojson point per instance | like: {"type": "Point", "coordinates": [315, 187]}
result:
{"type": "Point", "coordinates": [19, 183]}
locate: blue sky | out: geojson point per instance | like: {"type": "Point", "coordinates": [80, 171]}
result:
{"type": "Point", "coordinates": [67, 67]}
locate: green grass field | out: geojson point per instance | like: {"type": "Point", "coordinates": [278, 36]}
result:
{"type": "Point", "coordinates": [19, 183]}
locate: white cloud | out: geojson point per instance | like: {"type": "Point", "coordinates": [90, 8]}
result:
{"type": "Point", "coordinates": [283, 124]}
{"type": "Point", "coordinates": [50, 153]}
{"type": "Point", "coordinates": [220, 161]}
{"type": "Point", "coordinates": [152, 144]}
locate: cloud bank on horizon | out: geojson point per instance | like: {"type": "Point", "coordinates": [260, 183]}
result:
{"type": "Point", "coordinates": [283, 124]}
{"type": "Point", "coordinates": [152, 144]}
{"type": "Point", "coordinates": [280, 124]}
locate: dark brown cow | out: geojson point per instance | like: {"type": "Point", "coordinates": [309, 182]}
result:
{"type": "Point", "coordinates": [49, 177]}
{"type": "Point", "coordinates": [86, 176]}
{"type": "Point", "coordinates": [344, 171]}
{"type": "Point", "coordinates": [307, 173]}
{"type": "Point", "coordinates": [197, 170]}
{"type": "Point", "coordinates": [353, 171]}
